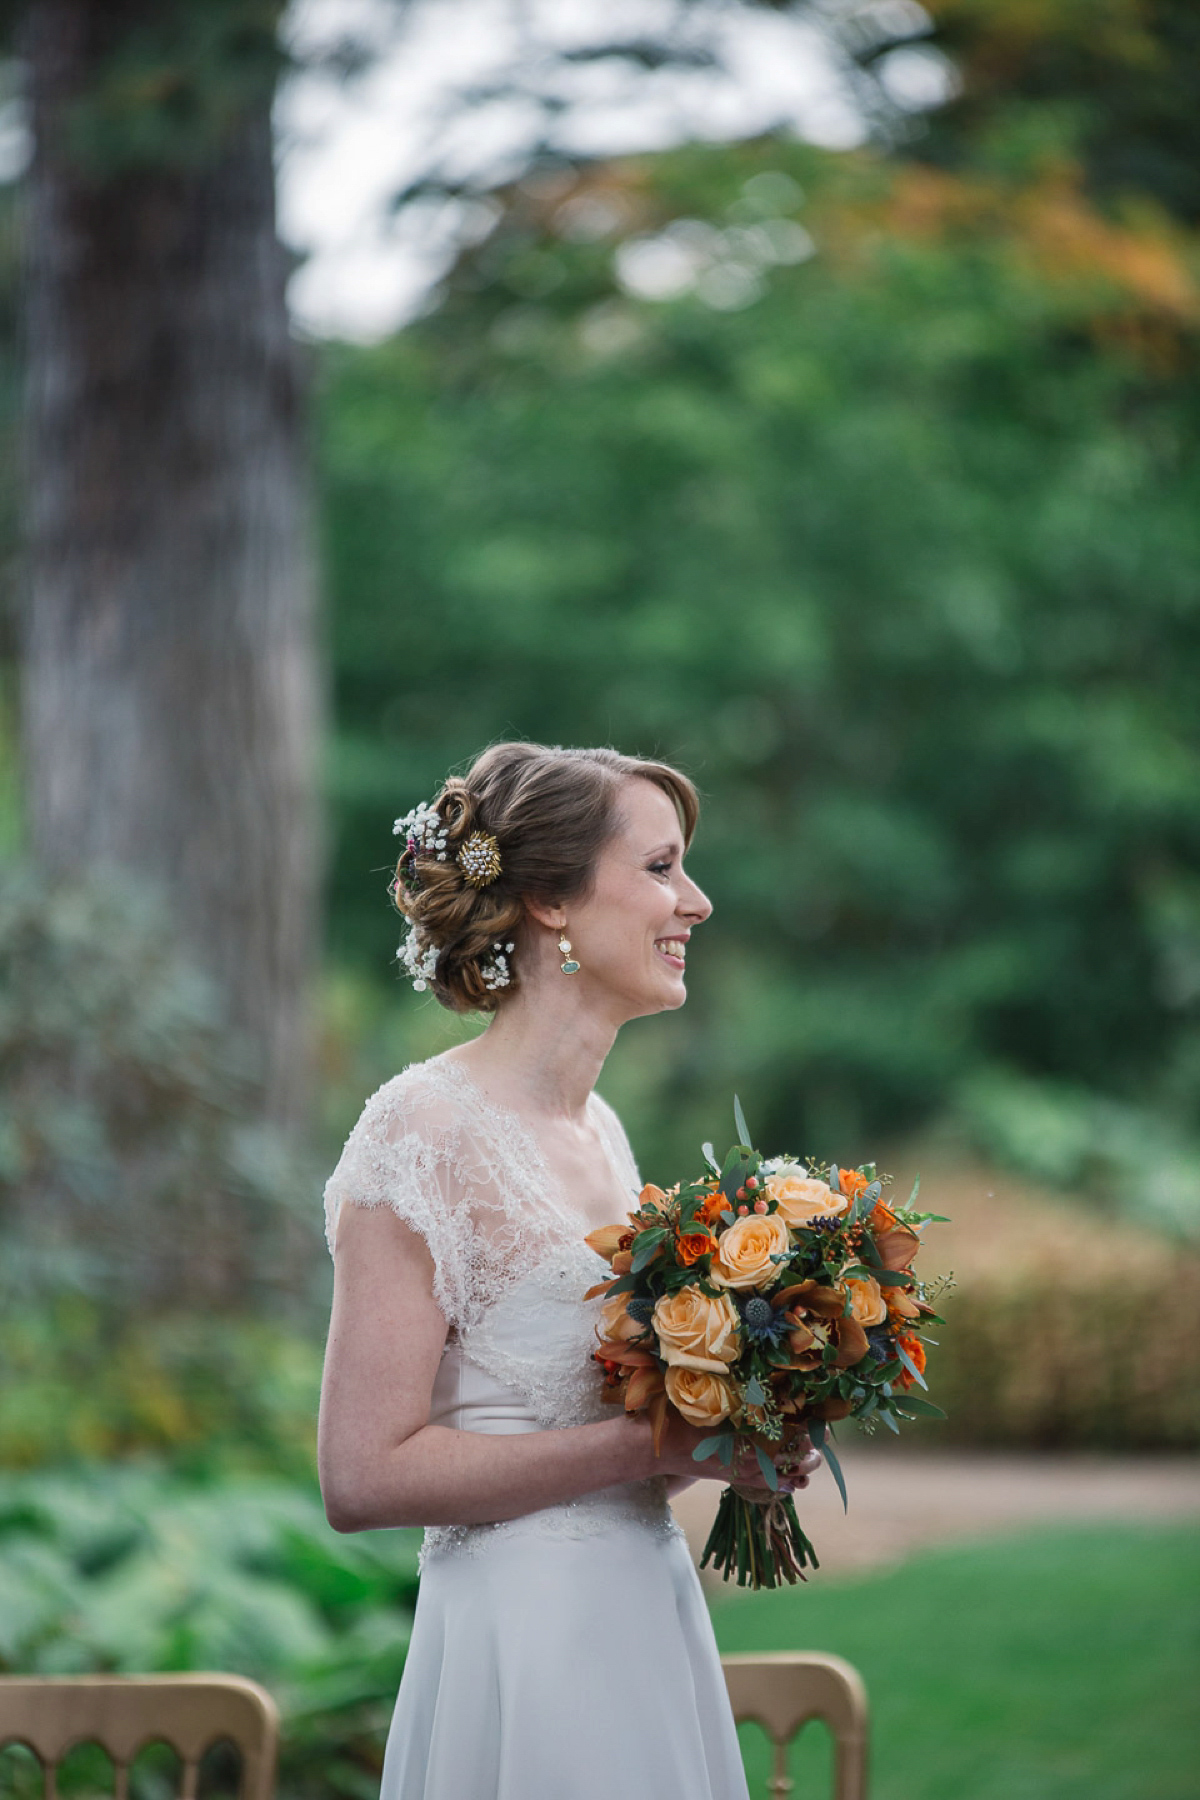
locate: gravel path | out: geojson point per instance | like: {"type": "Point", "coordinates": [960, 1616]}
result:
{"type": "Point", "coordinates": [901, 1501]}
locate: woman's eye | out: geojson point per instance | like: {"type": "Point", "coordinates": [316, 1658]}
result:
{"type": "Point", "coordinates": [660, 868]}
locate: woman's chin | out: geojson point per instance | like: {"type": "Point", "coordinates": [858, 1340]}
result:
{"type": "Point", "coordinates": [676, 995]}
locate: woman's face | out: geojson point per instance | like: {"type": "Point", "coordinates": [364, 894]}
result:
{"type": "Point", "coordinates": [630, 935]}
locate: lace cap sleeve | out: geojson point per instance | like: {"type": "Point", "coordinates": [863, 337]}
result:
{"type": "Point", "coordinates": [401, 1154]}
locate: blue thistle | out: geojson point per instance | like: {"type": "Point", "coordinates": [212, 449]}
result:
{"type": "Point", "coordinates": [763, 1324]}
{"type": "Point", "coordinates": [641, 1309]}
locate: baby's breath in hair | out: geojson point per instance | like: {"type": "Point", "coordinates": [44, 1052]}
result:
{"type": "Point", "coordinates": [421, 963]}
{"type": "Point", "coordinates": [425, 828]}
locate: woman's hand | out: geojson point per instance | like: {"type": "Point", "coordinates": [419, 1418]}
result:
{"type": "Point", "coordinates": [793, 1455]}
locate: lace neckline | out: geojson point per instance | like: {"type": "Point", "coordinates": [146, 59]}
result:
{"type": "Point", "coordinates": [514, 1122]}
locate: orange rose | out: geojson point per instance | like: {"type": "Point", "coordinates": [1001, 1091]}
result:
{"type": "Point", "coordinates": [852, 1183]}
{"type": "Point", "coordinates": [867, 1303]}
{"type": "Point", "coordinates": [744, 1252]}
{"type": "Point", "coordinates": [801, 1198]}
{"type": "Point", "coordinates": [690, 1246]}
{"type": "Point", "coordinates": [916, 1352]}
{"type": "Point", "coordinates": [698, 1331]}
{"type": "Point", "coordinates": [713, 1207]}
{"type": "Point", "coordinates": [702, 1398]}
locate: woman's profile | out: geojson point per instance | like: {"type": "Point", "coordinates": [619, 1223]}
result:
{"type": "Point", "coordinates": [561, 1648]}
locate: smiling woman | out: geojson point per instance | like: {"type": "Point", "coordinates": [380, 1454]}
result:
{"type": "Point", "coordinates": [542, 831]}
{"type": "Point", "coordinates": [459, 1389]}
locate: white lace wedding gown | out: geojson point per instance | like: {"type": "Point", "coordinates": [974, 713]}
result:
{"type": "Point", "coordinates": [566, 1654]}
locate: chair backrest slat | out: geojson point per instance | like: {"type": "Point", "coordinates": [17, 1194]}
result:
{"type": "Point", "coordinates": [782, 1690]}
{"type": "Point", "coordinates": [121, 1713]}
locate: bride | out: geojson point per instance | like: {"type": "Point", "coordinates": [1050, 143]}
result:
{"type": "Point", "coordinates": [561, 1648]}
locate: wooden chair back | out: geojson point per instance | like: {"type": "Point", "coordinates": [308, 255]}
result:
{"type": "Point", "coordinates": [51, 1714]}
{"type": "Point", "coordinates": [783, 1690]}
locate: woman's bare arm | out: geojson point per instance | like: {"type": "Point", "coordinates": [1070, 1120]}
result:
{"type": "Point", "coordinates": [382, 1464]}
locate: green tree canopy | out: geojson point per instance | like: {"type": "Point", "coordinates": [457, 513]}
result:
{"type": "Point", "coordinates": [893, 546]}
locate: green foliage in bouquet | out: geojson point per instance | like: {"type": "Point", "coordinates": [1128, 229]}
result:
{"type": "Point", "coordinates": [766, 1297]}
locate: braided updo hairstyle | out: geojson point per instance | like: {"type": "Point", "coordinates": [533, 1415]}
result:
{"type": "Point", "coordinates": [551, 811]}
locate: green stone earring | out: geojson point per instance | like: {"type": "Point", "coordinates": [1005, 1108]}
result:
{"type": "Point", "coordinates": [569, 966]}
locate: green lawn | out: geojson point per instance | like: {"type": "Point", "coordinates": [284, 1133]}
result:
{"type": "Point", "coordinates": [1064, 1666]}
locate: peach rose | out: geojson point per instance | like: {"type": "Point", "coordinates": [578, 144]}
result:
{"type": "Point", "coordinates": [614, 1323]}
{"type": "Point", "coordinates": [867, 1303]}
{"type": "Point", "coordinates": [802, 1198]}
{"type": "Point", "coordinates": [698, 1331]}
{"type": "Point", "coordinates": [744, 1252]}
{"type": "Point", "coordinates": [702, 1398]}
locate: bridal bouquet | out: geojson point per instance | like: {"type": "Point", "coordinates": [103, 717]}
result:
{"type": "Point", "coordinates": [765, 1300]}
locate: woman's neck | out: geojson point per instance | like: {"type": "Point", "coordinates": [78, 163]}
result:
{"type": "Point", "coordinates": [543, 1058]}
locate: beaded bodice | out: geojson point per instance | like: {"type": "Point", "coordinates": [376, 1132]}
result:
{"type": "Point", "coordinates": [510, 1270]}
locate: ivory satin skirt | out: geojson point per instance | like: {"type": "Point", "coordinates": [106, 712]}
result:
{"type": "Point", "coordinates": [544, 1667]}
{"type": "Point", "coordinates": [566, 1655]}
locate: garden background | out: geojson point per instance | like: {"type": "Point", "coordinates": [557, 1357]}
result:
{"type": "Point", "coordinates": [861, 482]}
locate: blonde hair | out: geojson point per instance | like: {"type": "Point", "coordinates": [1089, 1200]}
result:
{"type": "Point", "coordinates": [551, 810]}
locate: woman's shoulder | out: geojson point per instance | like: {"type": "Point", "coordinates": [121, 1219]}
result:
{"type": "Point", "coordinates": [420, 1100]}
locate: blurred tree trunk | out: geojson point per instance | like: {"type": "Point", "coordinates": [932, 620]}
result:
{"type": "Point", "coordinates": [171, 701]}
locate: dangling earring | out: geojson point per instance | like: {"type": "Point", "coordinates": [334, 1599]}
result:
{"type": "Point", "coordinates": [568, 966]}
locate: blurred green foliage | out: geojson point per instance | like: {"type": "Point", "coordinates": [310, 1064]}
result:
{"type": "Point", "coordinates": [212, 1392]}
{"type": "Point", "coordinates": [132, 1569]}
{"type": "Point", "coordinates": [885, 527]}
{"type": "Point", "coordinates": [134, 1165]}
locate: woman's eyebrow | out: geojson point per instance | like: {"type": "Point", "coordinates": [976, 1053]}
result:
{"type": "Point", "coordinates": [674, 847]}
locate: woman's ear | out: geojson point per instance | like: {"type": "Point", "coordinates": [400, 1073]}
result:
{"type": "Point", "coordinates": [554, 918]}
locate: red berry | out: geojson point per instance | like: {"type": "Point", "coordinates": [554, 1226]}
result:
{"type": "Point", "coordinates": [743, 1209]}
{"type": "Point", "coordinates": [760, 1206]}
{"type": "Point", "coordinates": [741, 1193]}
{"type": "Point", "coordinates": [752, 1182]}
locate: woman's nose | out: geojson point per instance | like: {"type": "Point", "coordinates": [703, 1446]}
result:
{"type": "Point", "coordinates": [697, 904]}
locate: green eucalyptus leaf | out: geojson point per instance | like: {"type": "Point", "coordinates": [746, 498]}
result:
{"type": "Point", "coordinates": [770, 1473]}
{"type": "Point", "coordinates": [911, 1366]}
{"type": "Point", "coordinates": [921, 1409]}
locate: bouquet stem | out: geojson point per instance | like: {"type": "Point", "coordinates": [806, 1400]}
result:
{"type": "Point", "coordinates": [761, 1540]}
